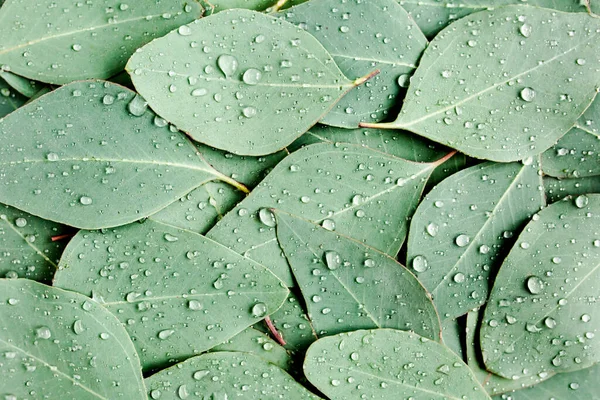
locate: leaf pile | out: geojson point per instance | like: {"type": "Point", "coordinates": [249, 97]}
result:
{"type": "Point", "coordinates": [302, 199]}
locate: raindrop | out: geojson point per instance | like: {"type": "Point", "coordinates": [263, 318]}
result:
{"type": "Point", "coordinates": [419, 264]}
{"type": "Point", "coordinates": [432, 229]}
{"type": "Point", "coordinates": [462, 240]}
{"type": "Point", "coordinates": [527, 94]}
{"type": "Point", "coordinates": [108, 99]}
{"type": "Point", "coordinates": [182, 392]}
{"type": "Point", "coordinates": [85, 200]}
{"type": "Point", "coordinates": [581, 201]}
{"type": "Point", "coordinates": [165, 334]}
{"type": "Point", "coordinates": [198, 375]}
{"type": "Point", "coordinates": [459, 278]}
{"type": "Point", "coordinates": [252, 76]}
{"type": "Point", "coordinates": [332, 259]}
{"type": "Point", "coordinates": [195, 305]}
{"type": "Point", "coordinates": [369, 263]}
{"type": "Point", "coordinates": [328, 224]}
{"type": "Point", "coordinates": [78, 327]}
{"type": "Point", "coordinates": [199, 92]}
{"type": "Point", "coordinates": [266, 217]}
{"type": "Point", "coordinates": [227, 64]}
{"type": "Point", "coordinates": [404, 80]}
{"type": "Point", "coordinates": [43, 332]}
{"type": "Point", "coordinates": [535, 285]}
{"type": "Point", "coordinates": [249, 112]}
{"type": "Point", "coordinates": [21, 222]}
{"type": "Point", "coordinates": [525, 30]}
{"type": "Point", "coordinates": [52, 157]}
{"type": "Point", "coordinates": [170, 238]}
{"type": "Point", "coordinates": [76, 47]}
{"type": "Point", "coordinates": [259, 310]}
{"type": "Point", "coordinates": [137, 106]}
{"type": "Point", "coordinates": [184, 30]}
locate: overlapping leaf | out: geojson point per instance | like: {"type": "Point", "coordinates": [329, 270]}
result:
{"type": "Point", "coordinates": [25, 86]}
{"type": "Point", "coordinates": [462, 227]}
{"type": "Point", "coordinates": [542, 315]}
{"type": "Point", "coordinates": [61, 345]}
{"type": "Point", "coordinates": [10, 100]}
{"type": "Point", "coordinates": [493, 86]}
{"type": "Point", "coordinates": [240, 81]}
{"type": "Point", "coordinates": [362, 36]}
{"type": "Point", "coordinates": [177, 292]}
{"type": "Point", "coordinates": [347, 285]}
{"type": "Point", "coordinates": [388, 364]}
{"type": "Point", "coordinates": [95, 151]}
{"type": "Point", "coordinates": [55, 43]}
{"type": "Point", "coordinates": [357, 191]}
{"type": "Point", "coordinates": [226, 375]}
{"type": "Point", "coordinates": [557, 189]}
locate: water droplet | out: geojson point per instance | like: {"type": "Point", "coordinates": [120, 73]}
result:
{"type": "Point", "coordinates": [266, 217]}
{"type": "Point", "coordinates": [525, 30]}
{"type": "Point", "coordinates": [165, 334]}
{"type": "Point", "coordinates": [170, 238]}
{"type": "Point", "coordinates": [527, 94]}
{"type": "Point", "coordinates": [52, 157]}
{"type": "Point", "coordinates": [332, 259]}
{"type": "Point", "coordinates": [404, 80]}
{"type": "Point", "coordinates": [137, 106]}
{"type": "Point", "coordinates": [21, 222]}
{"type": "Point", "coordinates": [252, 76]}
{"type": "Point", "coordinates": [580, 61]}
{"type": "Point", "coordinates": [550, 322]}
{"type": "Point", "coordinates": [184, 30]}
{"type": "Point", "coordinates": [195, 305]}
{"type": "Point", "coordinates": [199, 92]}
{"type": "Point", "coordinates": [43, 332]}
{"type": "Point", "coordinates": [535, 285]}
{"type": "Point", "coordinates": [586, 318]}
{"type": "Point", "coordinates": [227, 64]}
{"type": "Point", "coordinates": [259, 39]}
{"type": "Point", "coordinates": [85, 200]}
{"type": "Point", "coordinates": [462, 240]}
{"type": "Point", "coordinates": [328, 224]}
{"type": "Point", "coordinates": [420, 264]}
{"type": "Point", "coordinates": [198, 375]}
{"type": "Point", "coordinates": [581, 201]}
{"type": "Point", "coordinates": [259, 310]}
{"type": "Point", "coordinates": [76, 47]}
{"type": "Point", "coordinates": [444, 369]}
{"type": "Point", "coordinates": [249, 112]}
{"type": "Point", "coordinates": [344, 29]}
{"type": "Point", "coordinates": [78, 327]}
{"type": "Point", "coordinates": [432, 229]}
{"type": "Point", "coordinates": [459, 278]}
{"type": "Point", "coordinates": [108, 99]}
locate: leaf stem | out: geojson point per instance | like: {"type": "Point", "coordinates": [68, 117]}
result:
{"type": "Point", "coordinates": [239, 186]}
{"type": "Point", "coordinates": [445, 158]}
{"type": "Point", "coordinates": [360, 81]}
{"type": "Point", "coordinates": [278, 6]}
{"type": "Point", "coordinates": [61, 237]}
{"type": "Point", "coordinates": [274, 332]}
{"type": "Point", "coordinates": [378, 125]}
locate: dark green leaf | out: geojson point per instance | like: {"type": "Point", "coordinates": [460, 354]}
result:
{"type": "Point", "coordinates": [557, 189]}
{"type": "Point", "coordinates": [10, 100]}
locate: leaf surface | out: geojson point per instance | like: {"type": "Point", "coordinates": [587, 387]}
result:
{"type": "Point", "coordinates": [73, 41]}
{"type": "Point", "coordinates": [10, 99]}
{"type": "Point", "coordinates": [61, 345]}
{"type": "Point", "coordinates": [101, 165]}
{"type": "Point", "coordinates": [493, 86]}
{"type": "Point", "coordinates": [388, 364]}
{"type": "Point", "coordinates": [363, 36]}
{"type": "Point", "coordinates": [460, 230]}
{"type": "Point", "coordinates": [25, 86]}
{"type": "Point", "coordinates": [251, 89]}
{"type": "Point", "coordinates": [177, 292]}
{"type": "Point", "coordinates": [347, 285]}
{"type": "Point", "coordinates": [557, 189]}
{"type": "Point", "coordinates": [542, 314]}
{"type": "Point", "coordinates": [226, 375]}
{"type": "Point", "coordinates": [361, 193]}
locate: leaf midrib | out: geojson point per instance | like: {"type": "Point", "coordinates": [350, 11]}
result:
{"type": "Point", "coordinates": [181, 296]}
{"type": "Point", "coordinates": [389, 62]}
{"type": "Point", "coordinates": [586, 130]}
{"type": "Point", "coordinates": [38, 251]}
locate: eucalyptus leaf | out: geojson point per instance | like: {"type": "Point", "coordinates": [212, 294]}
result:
{"type": "Point", "coordinates": [578, 385]}
{"type": "Point", "coordinates": [226, 375]}
{"type": "Point", "coordinates": [493, 86]}
{"type": "Point", "coordinates": [85, 147]}
{"type": "Point", "coordinates": [451, 166]}
{"type": "Point", "coordinates": [362, 36]}
{"type": "Point", "coordinates": [577, 154]}
{"type": "Point", "coordinates": [251, 89]}
{"type": "Point", "coordinates": [10, 100]}
{"type": "Point", "coordinates": [257, 343]}
{"type": "Point", "coordinates": [557, 189]}
{"type": "Point", "coordinates": [26, 246]}
{"type": "Point", "coordinates": [434, 15]}
{"type": "Point", "coordinates": [61, 345]}
{"type": "Point", "coordinates": [257, 5]}
{"type": "Point", "coordinates": [177, 292]}
{"type": "Point", "coordinates": [25, 86]}
{"type": "Point", "coordinates": [493, 384]}
{"type": "Point", "coordinates": [58, 44]}
{"type": "Point", "coordinates": [542, 315]}
{"type": "Point", "coordinates": [388, 364]}
{"type": "Point", "coordinates": [359, 192]}
{"type": "Point", "coordinates": [453, 336]}
{"type": "Point", "coordinates": [463, 227]}
{"type": "Point", "coordinates": [347, 285]}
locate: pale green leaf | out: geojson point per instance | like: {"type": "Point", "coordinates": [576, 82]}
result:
{"type": "Point", "coordinates": [225, 375]}
{"type": "Point", "coordinates": [434, 15]}
{"type": "Point", "coordinates": [557, 189]}
{"type": "Point", "coordinates": [363, 193]}
{"type": "Point", "coordinates": [463, 227]}
{"type": "Point", "coordinates": [257, 5]}
{"type": "Point", "coordinates": [240, 81]}
{"type": "Point", "coordinates": [388, 364]}
{"type": "Point", "coordinates": [363, 36]}
{"type": "Point", "coordinates": [26, 246]}
{"type": "Point", "coordinates": [10, 100]}
{"type": "Point", "coordinates": [61, 345]}
{"type": "Point", "coordinates": [25, 86]}
{"type": "Point", "coordinates": [493, 86]}
{"type": "Point", "coordinates": [60, 43]}
{"type": "Point", "coordinates": [101, 165]}
{"type": "Point", "coordinates": [347, 285]}
{"type": "Point", "coordinates": [203, 292]}
{"type": "Point", "coordinates": [548, 285]}
{"type": "Point", "coordinates": [577, 154]}
{"type": "Point", "coordinates": [453, 336]}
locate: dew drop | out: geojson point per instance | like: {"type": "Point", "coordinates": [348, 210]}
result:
{"type": "Point", "coordinates": [195, 305]}
{"type": "Point", "coordinates": [332, 259]}
{"type": "Point", "coordinates": [581, 201]}
{"type": "Point", "coordinates": [85, 200]}
{"type": "Point", "coordinates": [432, 229]}
{"type": "Point", "coordinates": [249, 112]}
{"type": "Point", "coordinates": [43, 332]}
{"type": "Point", "coordinates": [462, 240]}
{"type": "Point", "coordinates": [527, 94]}
{"type": "Point", "coordinates": [266, 217]}
{"type": "Point", "coordinates": [184, 30]}
{"type": "Point", "coordinates": [535, 285]}
{"type": "Point", "coordinates": [137, 106]}
{"type": "Point", "coordinates": [328, 224]}
{"type": "Point", "coordinates": [252, 76]}
{"type": "Point", "coordinates": [21, 222]}
{"type": "Point", "coordinates": [165, 334]}
{"type": "Point", "coordinates": [525, 30]}
{"type": "Point", "coordinates": [420, 264]}
{"type": "Point", "coordinates": [259, 310]}
{"type": "Point", "coordinates": [227, 64]}
{"type": "Point", "coordinates": [199, 92]}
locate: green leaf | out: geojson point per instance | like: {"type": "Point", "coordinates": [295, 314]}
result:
{"type": "Point", "coordinates": [62, 43]}
{"type": "Point", "coordinates": [434, 15]}
{"type": "Point", "coordinates": [578, 385]}
{"type": "Point", "coordinates": [492, 383]}
{"type": "Point", "coordinates": [396, 143]}
{"type": "Point", "coordinates": [257, 343]}
{"type": "Point", "coordinates": [26, 246]}
{"type": "Point", "coordinates": [226, 375]}
{"type": "Point", "coordinates": [557, 189]}
{"type": "Point", "coordinates": [451, 166]}
{"type": "Point", "coordinates": [26, 87]}
{"type": "Point", "coordinates": [460, 230]}
{"type": "Point", "coordinates": [362, 36]}
{"type": "Point", "coordinates": [10, 100]}
{"type": "Point", "coordinates": [347, 285]}
{"type": "Point", "coordinates": [490, 95]}
{"type": "Point", "coordinates": [84, 147]}
{"type": "Point", "coordinates": [577, 154]}
{"type": "Point", "coordinates": [388, 364]}
{"type": "Point", "coordinates": [257, 5]}
{"type": "Point", "coordinates": [240, 81]}
{"type": "Point", "coordinates": [361, 193]}
{"type": "Point", "coordinates": [177, 292]}
{"type": "Point", "coordinates": [61, 345]}
{"type": "Point", "coordinates": [542, 314]}
{"type": "Point", "coordinates": [452, 336]}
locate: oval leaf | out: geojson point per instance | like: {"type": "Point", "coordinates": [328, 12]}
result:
{"type": "Point", "coordinates": [349, 37]}
{"type": "Point", "coordinates": [347, 285]}
{"type": "Point", "coordinates": [542, 315]}
{"type": "Point", "coordinates": [366, 194]}
{"type": "Point", "coordinates": [240, 81]}
{"type": "Point", "coordinates": [61, 345]}
{"type": "Point", "coordinates": [226, 375]}
{"type": "Point", "coordinates": [26, 87]}
{"type": "Point", "coordinates": [100, 164]}
{"type": "Point", "coordinates": [461, 227]}
{"type": "Point", "coordinates": [388, 364]}
{"type": "Point", "coordinates": [27, 248]}
{"type": "Point", "coordinates": [483, 85]}
{"type": "Point", "coordinates": [60, 44]}
{"type": "Point", "coordinates": [203, 292]}
{"type": "Point", "coordinates": [557, 189]}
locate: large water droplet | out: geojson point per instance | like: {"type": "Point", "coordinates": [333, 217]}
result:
{"type": "Point", "coordinates": [462, 240]}
{"type": "Point", "coordinates": [259, 310]}
{"type": "Point", "coordinates": [332, 259]}
{"type": "Point", "coordinates": [227, 64]}
{"type": "Point", "coordinates": [535, 285]}
{"type": "Point", "coordinates": [252, 76]}
{"type": "Point", "coordinates": [43, 332]}
{"type": "Point", "coordinates": [525, 30]}
{"type": "Point", "coordinates": [527, 94]}
{"type": "Point", "coordinates": [137, 106]}
{"type": "Point", "coordinates": [420, 264]}
{"type": "Point", "coordinates": [165, 334]}
{"type": "Point", "coordinates": [581, 201]}
{"type": "Point", "coordinates": [266, 217]}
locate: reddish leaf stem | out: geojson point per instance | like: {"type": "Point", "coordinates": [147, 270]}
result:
{"type": "Point", "coordinates": [274, 332]}
{"type": "Point", "coordinates": [61, 237]}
